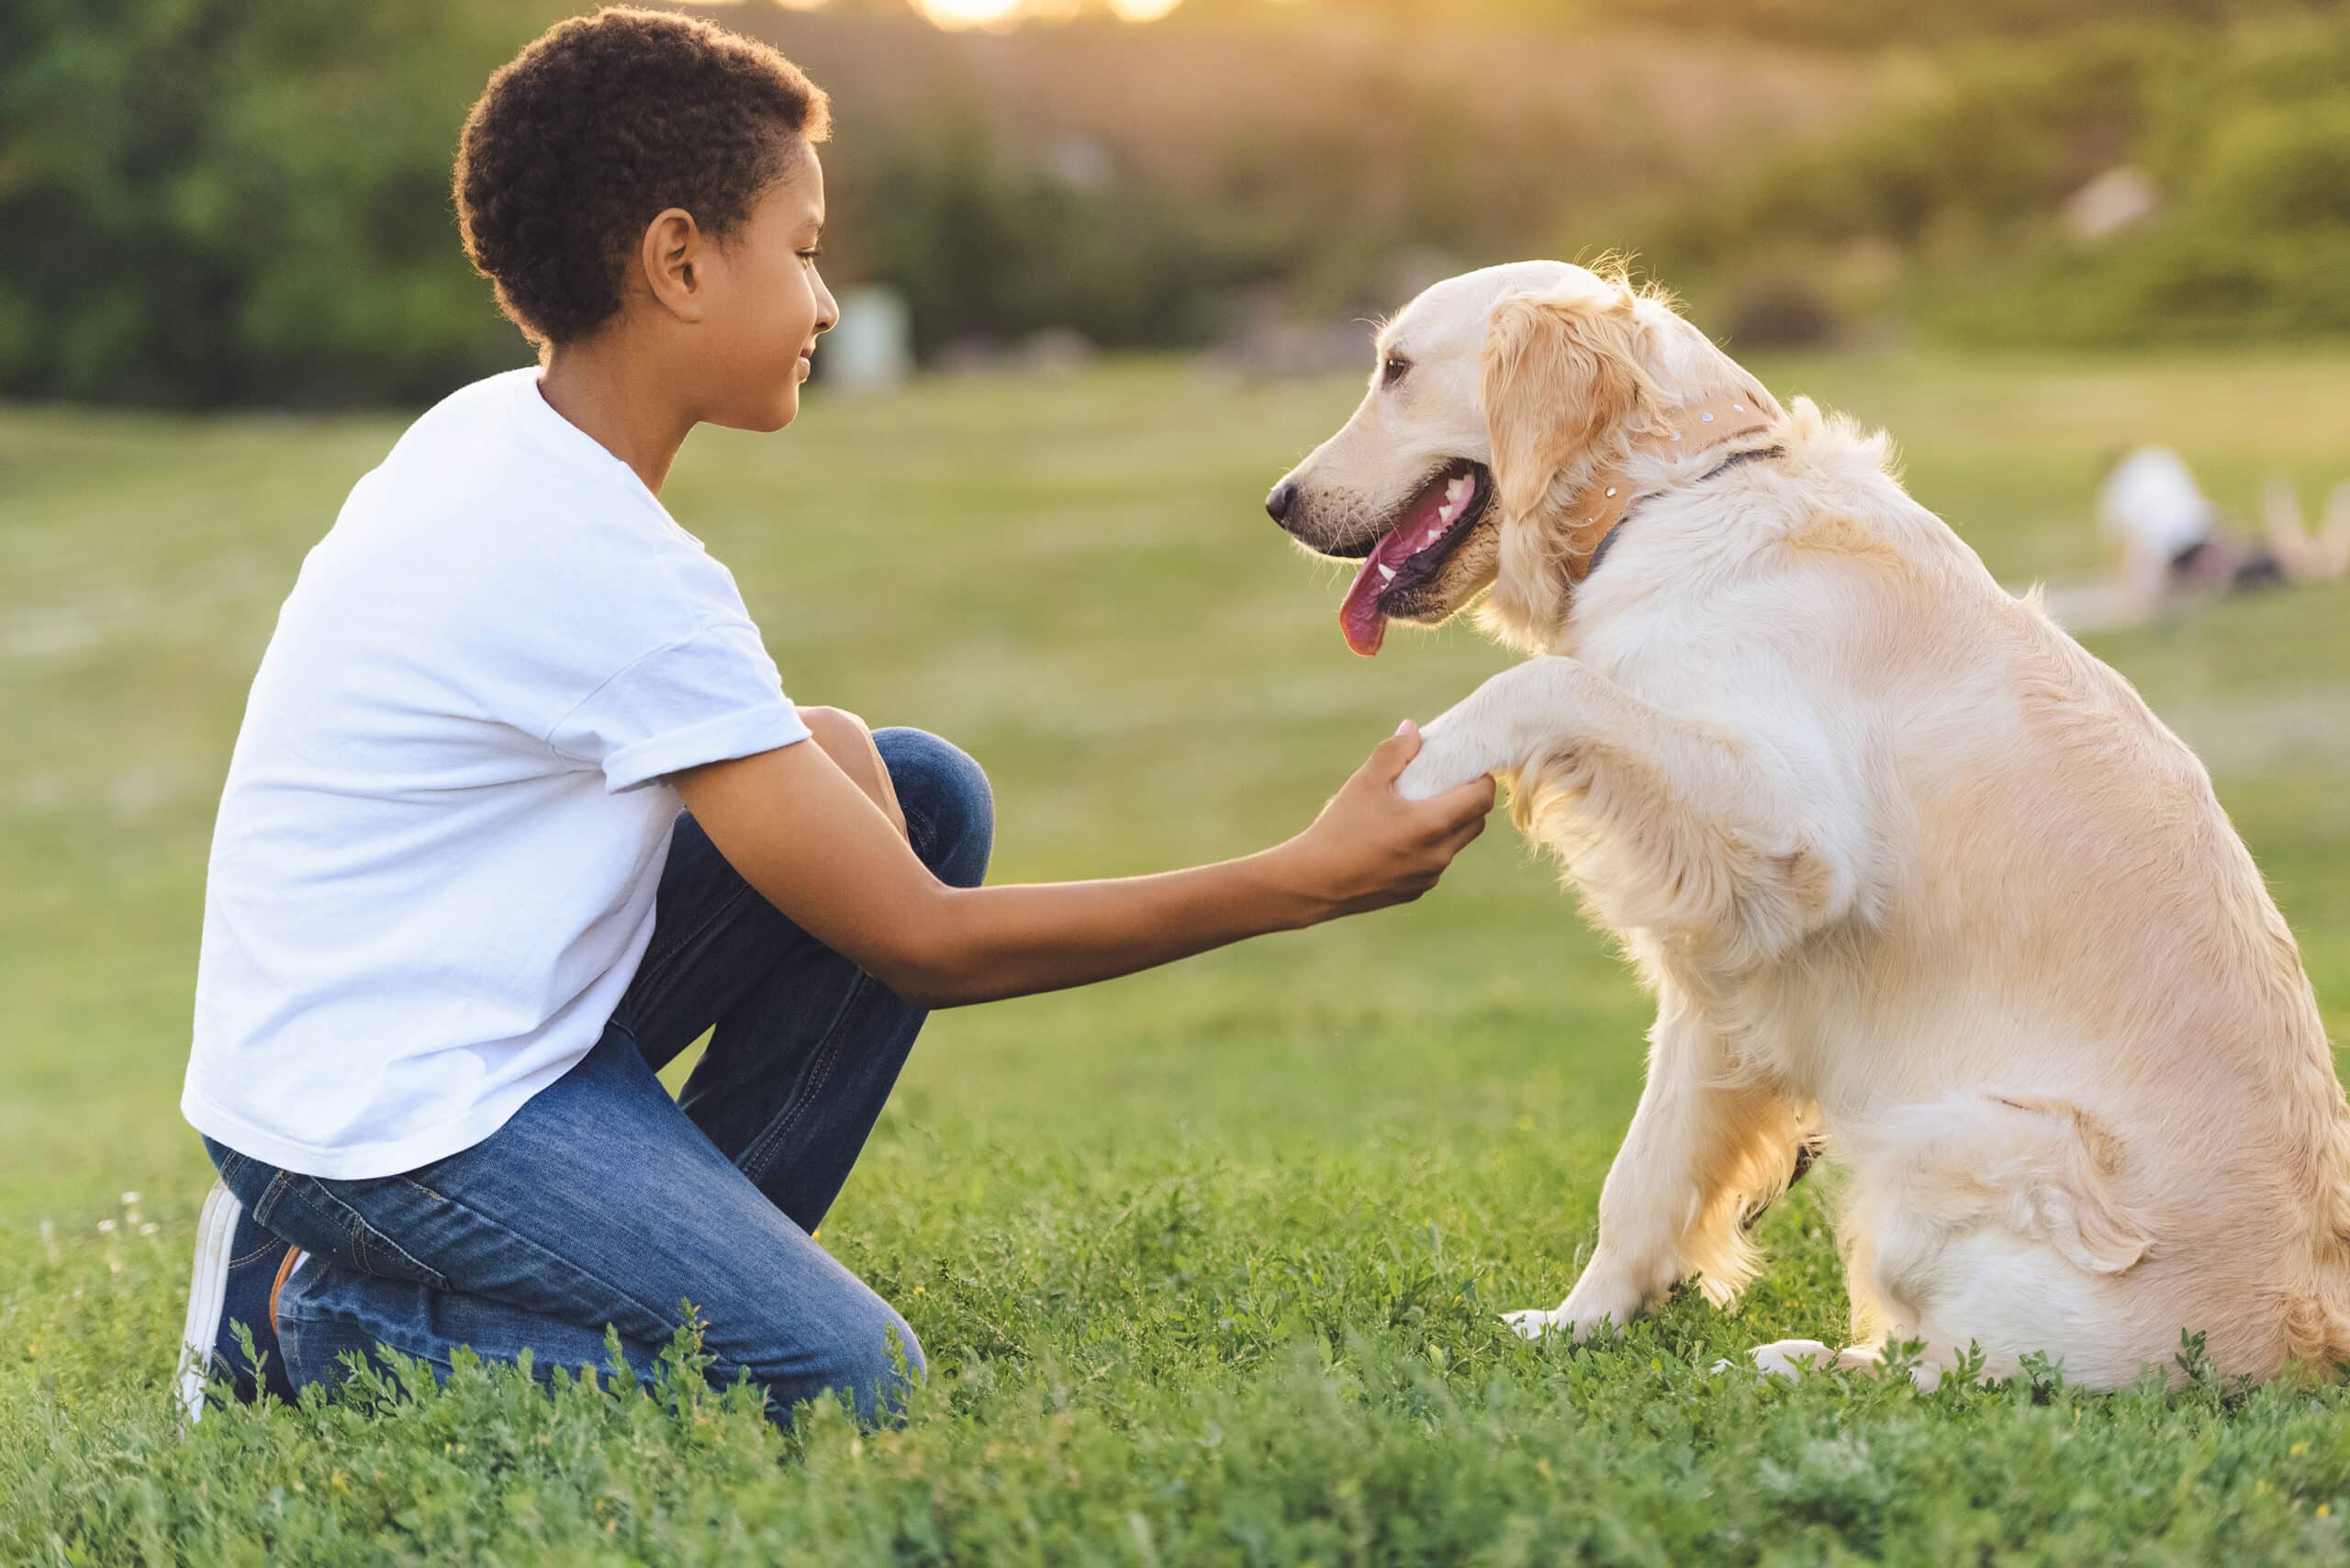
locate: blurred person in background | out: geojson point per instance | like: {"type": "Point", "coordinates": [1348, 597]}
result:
{"type": "Point", "coordinates": [2175, 547]}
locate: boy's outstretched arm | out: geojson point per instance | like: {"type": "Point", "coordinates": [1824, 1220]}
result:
{"type": "Point", "coordinates": [822, 851]}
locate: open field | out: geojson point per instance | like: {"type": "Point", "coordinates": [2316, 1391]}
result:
{"type": "Point", "coordinates": [1207, 1261]}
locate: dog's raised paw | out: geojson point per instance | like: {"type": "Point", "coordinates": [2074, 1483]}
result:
{"type": "Point", "coordinates": [1440, 764]}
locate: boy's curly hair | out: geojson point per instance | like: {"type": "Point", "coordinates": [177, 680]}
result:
{"type": "Point", "coordinates": [595, 127]}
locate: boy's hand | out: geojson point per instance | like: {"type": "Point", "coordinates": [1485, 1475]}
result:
{"type": "Point", "coordinates": [1371, 848]}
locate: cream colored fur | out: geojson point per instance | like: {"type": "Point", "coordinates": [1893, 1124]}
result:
{"type": "Point", "coordinates": [1905, 866]}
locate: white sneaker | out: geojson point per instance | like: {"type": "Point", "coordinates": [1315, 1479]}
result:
{"type": "Point", "coordinates": [239, 1266]}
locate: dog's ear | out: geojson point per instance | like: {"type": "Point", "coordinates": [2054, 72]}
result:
{"type": "Point", "coordinates": [1561, 379]}
{"type": "Point", "coordinates": [1563, 389]}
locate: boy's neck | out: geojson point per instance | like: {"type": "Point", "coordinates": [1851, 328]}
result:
{"type": "Point", "coordinates": [608, 389]}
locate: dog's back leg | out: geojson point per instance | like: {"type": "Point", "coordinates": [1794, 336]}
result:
{"type": "Point", "coordinates": [2001, 1223]}
{"type": "Point", "coordinates": [1793, 1357]}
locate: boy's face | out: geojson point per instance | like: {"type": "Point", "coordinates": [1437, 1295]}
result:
{"type": "Point", "coordinates": [769, 304]}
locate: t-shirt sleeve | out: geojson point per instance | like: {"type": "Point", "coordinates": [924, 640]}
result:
{"type": "Point", "coordinates": [709, 696]}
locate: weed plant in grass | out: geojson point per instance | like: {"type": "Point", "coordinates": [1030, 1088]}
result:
{"type": "Point", "coordinates": [1207, 1262]}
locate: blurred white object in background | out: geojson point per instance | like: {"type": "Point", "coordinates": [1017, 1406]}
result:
{"type": "Point", "coordinates": [2116, 199]}
{"type": "Point", "coordinates": [871, 348]}
{"type": "Point", "coordinates": [2151, 502]}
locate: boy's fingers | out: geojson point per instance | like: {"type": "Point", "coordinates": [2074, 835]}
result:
{"type": "Point", "coordinates": [1389, 757]}
{"type": "Point", "coordinates": [1465, 802]}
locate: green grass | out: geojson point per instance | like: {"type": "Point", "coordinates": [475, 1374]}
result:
{"type": "Point", "coordinates": [1206, 1261]}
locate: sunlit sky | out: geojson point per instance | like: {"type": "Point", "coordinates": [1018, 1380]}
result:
{"type": "Point", "coordinates": [1002, 13]}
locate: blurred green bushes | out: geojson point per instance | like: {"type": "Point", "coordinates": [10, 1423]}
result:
{"type": "Point", "coordinates": [987, 245]}
{"type": "Point", "coordinates": [215, 201]}
{"type": "Point", "coordinates": [1951, 214]}
{"type": "Point", "coordinates": [220, 202]}
{"type": "Point", "coordinates": [1818, 24]}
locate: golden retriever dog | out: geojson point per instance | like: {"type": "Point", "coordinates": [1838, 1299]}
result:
{"type": "Point", "coordinates": [1914, 878]}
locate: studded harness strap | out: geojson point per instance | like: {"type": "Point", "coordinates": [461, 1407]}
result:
{"type": "Point", "coordinates": [1600, 507]}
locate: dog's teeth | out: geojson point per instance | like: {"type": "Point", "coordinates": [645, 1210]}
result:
{"type": "Point", "coordinates": [1458, 491]}
{"type": "Point", "coordinates": [1387, 572]}
{"type": "Point", "coordinates": [1434, 535]}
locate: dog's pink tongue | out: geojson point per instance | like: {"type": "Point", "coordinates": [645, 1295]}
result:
{"type": "Point", "coordinates": [1359, 616]}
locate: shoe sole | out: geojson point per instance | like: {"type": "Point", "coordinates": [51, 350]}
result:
{"type": "Point", "coordinates": [207, 1296]}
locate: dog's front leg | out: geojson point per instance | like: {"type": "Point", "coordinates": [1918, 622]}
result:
{"type": "Point", "coordinates": [1703, 1155]}
{"type": "Point", "coordinates": [1729, 843]}
{"type": "Point", "coordinates": [1486, 731]}
{"type": "Point", "coordinates": [1694, 830]}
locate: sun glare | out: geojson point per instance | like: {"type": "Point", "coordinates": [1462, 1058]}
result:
{"type": "Point", "coordinates": [970, 13]}
{"type": "Point", "coordinates": [956, 14]}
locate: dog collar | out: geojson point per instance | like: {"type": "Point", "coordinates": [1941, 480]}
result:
{"type": "Point", "coordinates": [1602, 504]}
{"type": "Point", "coordinates": [1733, 461]}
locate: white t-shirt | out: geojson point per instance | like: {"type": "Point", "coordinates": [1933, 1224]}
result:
{"type": "Point", "coordinates": [2153, 504]}
{"type": "Point", "coordinates": [433, 869]}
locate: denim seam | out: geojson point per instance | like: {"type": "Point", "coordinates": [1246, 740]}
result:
{"type": "Point", "coordinates": [518, 1238]}
{"type": "Point", "coordinates": [270, 1196]}
{"type": "Point", "coordinates": [755, 1163]}
{"type": "Point", "coordinates": [649, 975]}
{"type": "Point", "coordinates": [362, 1229]}
{"type": "Point", "coordinates": [828, 1054]}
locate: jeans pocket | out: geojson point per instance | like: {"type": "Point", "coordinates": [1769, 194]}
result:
{"type": "Point", "coordinates": [264, 1204]}
{"type": "Point", "coordinates": [310, 1211]}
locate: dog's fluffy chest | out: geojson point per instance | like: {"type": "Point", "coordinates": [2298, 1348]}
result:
{"type": "Point", "coordinates": [1797, 1027]}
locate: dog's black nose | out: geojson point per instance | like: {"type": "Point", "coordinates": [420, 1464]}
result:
{"type": "Point", "coordinates": [1279, 502]}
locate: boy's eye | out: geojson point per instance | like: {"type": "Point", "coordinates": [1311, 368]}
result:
{"type": "Point", "coordinates": [812, 253]}
{"type": "Point", "coordinates": [1392, 370]}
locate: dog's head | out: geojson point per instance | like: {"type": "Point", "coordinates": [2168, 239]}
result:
{"type": "Point", "coordinates": [1496, 395]}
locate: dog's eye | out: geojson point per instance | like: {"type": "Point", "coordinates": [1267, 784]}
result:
{"type": "Point", "coordinates": [1393, 371]}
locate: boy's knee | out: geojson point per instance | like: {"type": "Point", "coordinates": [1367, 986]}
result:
{"type": "Point", "coordinates": [950, 810]}
{"type": "Point", "coordinates": [896, 1363]}
{"type": "Point", "coordinates": [876, 1365]}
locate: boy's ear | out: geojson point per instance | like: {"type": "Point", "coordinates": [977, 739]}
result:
{"type": "Point", "coordinates": [670, 256]}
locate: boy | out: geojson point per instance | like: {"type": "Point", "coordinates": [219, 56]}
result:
{"type": "Point", "coordinates": [454, 919]}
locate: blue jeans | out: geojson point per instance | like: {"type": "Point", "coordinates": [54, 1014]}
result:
{"type": "Point", "coordinates": [604, 1201]}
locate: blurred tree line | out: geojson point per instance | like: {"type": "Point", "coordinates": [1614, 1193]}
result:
{"type": "Point", "coordinates": [1863, 23]}
{"type": "Point", "coordinates": [222, 202]}
{"type": "Point", "coordinates": [2228, 152]}
{"type": "Point", "coordinates": [208, 202]}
